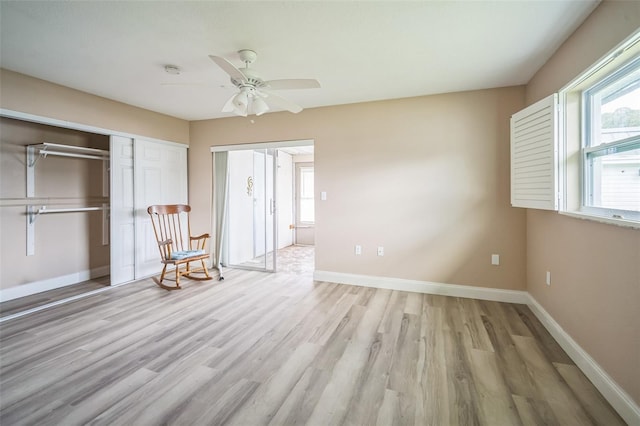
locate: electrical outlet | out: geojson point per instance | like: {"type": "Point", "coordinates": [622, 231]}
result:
{"type": "Point", "coordinates": [358, 250]}
{"type": "Point", "coordinates": [548, 277]}
{"type": "Point", "coordinates": [495, 259]}
{"type": "Point", "coordinates": [380, 251]}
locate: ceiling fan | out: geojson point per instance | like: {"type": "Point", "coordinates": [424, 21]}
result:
{"type": "Point", "coordinates": [255, 94]}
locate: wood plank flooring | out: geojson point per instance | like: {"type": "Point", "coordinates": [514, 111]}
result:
{"type": "Point", "coordinates": [14, 306]}
{"type": "Point", "coordinates": [280, 349]}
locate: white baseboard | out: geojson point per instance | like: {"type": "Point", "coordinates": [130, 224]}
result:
{"type": "Point", "coordinates": [612, 392]}
{"type": "Point", "coordinates": [482, 293]}
{"type": "Point", "coordinates": [51, 283]}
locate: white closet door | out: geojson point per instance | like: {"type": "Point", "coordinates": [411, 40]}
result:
{"type": "Point", "coordinates": [160, 178]}
{"type": "Point", "coordinates": [122, 232]}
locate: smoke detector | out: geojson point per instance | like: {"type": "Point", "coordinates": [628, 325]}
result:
{"type": "Point", "coordinates": [172, 69]}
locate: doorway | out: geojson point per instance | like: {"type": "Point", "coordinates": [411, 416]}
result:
{"type": "Point", "coordinates": [263, 222]}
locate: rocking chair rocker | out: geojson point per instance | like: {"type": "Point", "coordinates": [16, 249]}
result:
{"type": "Point", "coordinates": [172, 229]}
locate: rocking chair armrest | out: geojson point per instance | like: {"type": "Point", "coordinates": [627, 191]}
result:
{"type": "Point", "coordinates": [165, 248]}
{"type": "Point", "coordinates": [201, 241]}
{"type": "Point", "coordinates": [200, 237]}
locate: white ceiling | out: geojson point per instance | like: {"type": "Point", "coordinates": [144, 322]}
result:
{"type": "Point", "coordinates": [298, 150]}
{"type": "Point", "coordinates": [359, 51]}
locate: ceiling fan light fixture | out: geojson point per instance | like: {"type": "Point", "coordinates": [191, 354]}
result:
{"type": "Point", "coordinates": [241, 103]}
{"type": "Point", "coordinates": [229, 105]}
{"type": "Point", "coordinates": [259, 106]}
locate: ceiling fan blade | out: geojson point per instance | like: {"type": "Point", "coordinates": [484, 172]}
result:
{"type": "Point", "coordinates": [293, 83]}
{"type": "Point", "coordinates": [228, 67]}
{"type": "Point", "coordinates": [281, 102]}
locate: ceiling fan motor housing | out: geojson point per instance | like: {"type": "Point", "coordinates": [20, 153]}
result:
{"type": "Point", "coordinates": [251, 80]}
{"type": "Point", "coordinates": [247, 56]}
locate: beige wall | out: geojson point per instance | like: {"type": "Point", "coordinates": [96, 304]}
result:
{"type": "Point", "coordinates": [595, 290]}
{"type": "Point", "coordinates": [65, 243]}
{"type": "Point", "coordinates": [33, 96]}
{"type": "Point", "coordinates": [425, 177]}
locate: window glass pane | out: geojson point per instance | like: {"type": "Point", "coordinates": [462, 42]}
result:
{"type": "Point", "coordinates": [306, 210]}
{"type": "Point", "coordinates": [306, 182]}
{"type": "Point", "coordinates": [617, 109]}
{"type": "Point", "coordinates": [615, 179]}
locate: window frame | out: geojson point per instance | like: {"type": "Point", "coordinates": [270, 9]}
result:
{"type": "Point", "coordinates": [590, 121]}
{"type": "Point", "coordinates": [302, 168]}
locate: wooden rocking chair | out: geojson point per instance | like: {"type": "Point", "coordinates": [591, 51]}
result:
{"type": "Point", "coordinates": [177, 247]}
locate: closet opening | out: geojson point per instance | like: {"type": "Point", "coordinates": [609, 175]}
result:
{"type": "Point", "coordinates": [54, 214]}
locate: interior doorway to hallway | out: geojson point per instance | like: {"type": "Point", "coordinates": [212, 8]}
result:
{"type": "Point", "coordinates": [269, 206]}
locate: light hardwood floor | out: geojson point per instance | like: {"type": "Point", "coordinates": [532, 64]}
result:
{"type": "Point", "coordinates": [280, 349]}
{"type": "Point", "coordinates": [22, 304]}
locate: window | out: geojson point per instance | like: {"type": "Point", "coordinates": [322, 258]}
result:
{"type": "Point", "coordinates": [306, 211]}
{"type": "Point", "coordinates": [611, 144]}
{"type": "Point", "coordinates": [599, 139]}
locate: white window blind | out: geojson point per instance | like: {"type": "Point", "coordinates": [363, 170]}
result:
{"type": "Point", "coordinates": [534, 156]}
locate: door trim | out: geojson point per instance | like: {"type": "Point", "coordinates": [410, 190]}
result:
{"type": "Point", "coordinates": [263, 145]}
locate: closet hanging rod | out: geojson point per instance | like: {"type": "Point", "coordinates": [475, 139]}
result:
{"type": "Point", "coordinates": [71, 154]}
{"type": "Point", "coordinates": [48, 145]}
{"type": "Point", "coordinates": [44, 210]}
{"type": "Point", "coordinates": [33, 213]}
{"type": "Point", "coordinates": [45, 149]}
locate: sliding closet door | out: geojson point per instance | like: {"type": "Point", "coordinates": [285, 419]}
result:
{"type": "Point", "coordinates": [264, 208]}
{"type": "Point", "coordinates": [160, 178]}
{"type": "Point", "coordinates": [122, 233]}
{"type": "Point", "coordinates": [251, 210]}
